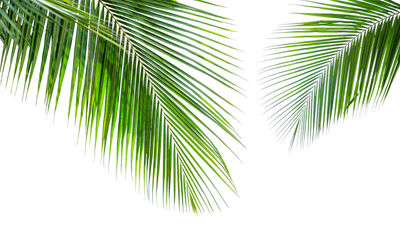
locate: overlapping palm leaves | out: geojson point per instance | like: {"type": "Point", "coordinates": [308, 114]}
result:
{"type": "Point", "coordinates": [135, 84]}
{"type": "Point", "coordinates": [344, 58]}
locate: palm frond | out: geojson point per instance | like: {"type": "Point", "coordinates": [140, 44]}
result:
{"type": "Point", "coordinates": [138, 85]}
{"type": "Point", "coordinates": [341, 60]}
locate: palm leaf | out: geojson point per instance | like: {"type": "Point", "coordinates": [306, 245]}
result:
{"type": "Point", "coordinates": [341, 60]}
{"type": "Point", "coordinates": [138, 85]}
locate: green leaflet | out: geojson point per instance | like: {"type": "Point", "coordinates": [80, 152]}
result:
{"type": "Point", "coordinates": [343, 59]}
{"type": "Point", "coordinates": [133, 88]}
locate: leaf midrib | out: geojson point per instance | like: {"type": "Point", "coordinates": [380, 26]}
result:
{"type": "Point", "coordinates": [140, 62]}
{"type": "Point", "coordinates": [162, 110]}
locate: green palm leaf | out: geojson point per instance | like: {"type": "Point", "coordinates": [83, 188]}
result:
{"type": "Point", "coordinates": [139, 75]}
{"type": "Point", "coordinates": [341, 60]}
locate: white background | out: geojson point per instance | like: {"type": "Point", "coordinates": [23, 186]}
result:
{"type": "Point", "coordinates": [340, 194]}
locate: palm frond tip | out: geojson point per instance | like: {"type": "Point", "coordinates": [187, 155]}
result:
{"type": "Point", "coordinates": [343, 59]}
{"type": "Point", "coordinates": [133, 80]}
